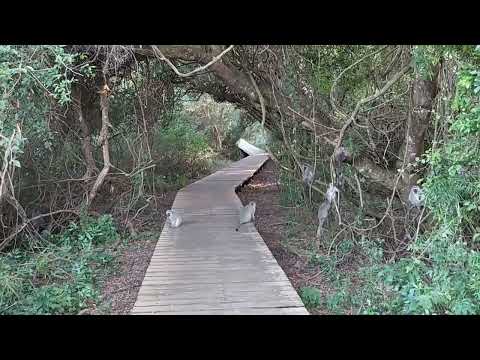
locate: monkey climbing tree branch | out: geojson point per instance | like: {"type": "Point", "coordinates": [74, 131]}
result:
{"type": "Point", "coordinates": [351, 119]}
{"type": "Point", "coordinates": [162, 57]}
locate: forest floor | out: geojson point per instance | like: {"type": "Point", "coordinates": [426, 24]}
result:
{"type": "Point", "coordinates": [120, 289]}
{"type": "Point", "coordinates": [290, 242]}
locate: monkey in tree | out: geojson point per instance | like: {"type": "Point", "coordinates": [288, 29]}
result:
{"type": "Point", "coordinates": [105, 90]}
{"type": "Point", "coordinates": [416, 197]}
{"type": "Point", "coordinates": [325, 208]}
{"type": "Point", "coordinates": [341, 156]}
{"type": "Point", "coordinates": [307, 175]}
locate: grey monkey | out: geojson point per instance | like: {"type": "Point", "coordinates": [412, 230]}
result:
{"type": "Point", "coordinates": [173, 218]}
{"type": "Point", "coordinates": [325, 207]}
{"type": "Point", "coordinates": [307, 174]}
{"type": "Point", "coordinates": [40, 224]}
{"type": "Point", "coordinates": [416, 197]}
{"type": "Point", "coordinates": [247, 213]}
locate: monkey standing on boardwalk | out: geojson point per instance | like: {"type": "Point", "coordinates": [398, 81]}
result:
{"type": "Point", "coordinates": [247, 213]}
{"type": "Point", "coordinates": [174, 219]}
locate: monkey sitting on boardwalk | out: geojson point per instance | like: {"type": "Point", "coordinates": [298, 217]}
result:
{"type": "Point", "coordinates": [247, 213]}
{"type": "Point", "coordinates": [173, 218]}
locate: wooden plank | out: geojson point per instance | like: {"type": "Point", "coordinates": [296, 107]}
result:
{"type": "Point", "coordinates": [215, 304]}
{"type": "Point", "coordinates": [172, 281]}
{"type": "Point", "coordinates": [219, 306]}
{"type": "Point", "coordinates": [239, 311]}
{"type": "Point", "coordinates": [244, 284]}
{"type": "Point", "coordinates": [174, 294]}
{"type": "Point", "coordinates": [216, 297]}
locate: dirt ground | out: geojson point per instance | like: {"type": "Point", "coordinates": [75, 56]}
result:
{"type": "Point", "coordinates": [271, 221]}
{"type": "Point", "coordinates": [119, 290]}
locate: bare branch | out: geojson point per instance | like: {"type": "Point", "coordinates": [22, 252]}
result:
{"type": "Point", "coordinates": [162, 57]}
{"type": "Point", "coordinates": [370, 98]}
{"type": "Point", "coordinates": [334, 85]}
{"type": "Point", "coordinates": [20, 228]}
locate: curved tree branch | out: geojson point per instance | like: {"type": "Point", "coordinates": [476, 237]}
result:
{"type": "Point", "coordinates": [334, 85]}
{"type": "Point", "coordinates": [162, 57]}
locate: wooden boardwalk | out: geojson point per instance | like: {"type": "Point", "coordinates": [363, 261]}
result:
{"type": "Point", "coordinates": [205, 266]}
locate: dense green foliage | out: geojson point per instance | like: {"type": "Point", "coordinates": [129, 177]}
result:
{"type": "Point", "coordinates": [440, 273]}
{"type": "Point", "coordinates": [152, 139]}
{"type": "Point", "coordinates": [59, 274]}
{"type": "Point", "coordinates": [182, 151]}
{"type": "Point", "coordinates": [31, 79]}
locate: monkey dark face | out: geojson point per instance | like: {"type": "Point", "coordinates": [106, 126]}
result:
{"type": "Point", "coordinates": [416, 196]}
{"type": "Point", "coordinates": [342, 155]}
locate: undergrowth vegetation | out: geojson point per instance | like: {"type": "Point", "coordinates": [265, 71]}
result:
{"type": "Point", "coordinates": [438, 272]}
{"type": "Point", "coordinates": [59, 273]}
{"type": "Point", "coordinates": [158, 143]}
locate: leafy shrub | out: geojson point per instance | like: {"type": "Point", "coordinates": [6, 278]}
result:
{"type": "Point", "coordinates": [311, 297]}
{"type": "Point", "coordinates": [89, 232]}
{"type": "Point", "coordinates": [441, 275]}
{"type": "Point", "coordinates": [180, 151]}
{"type": "Point", "coordinates": [60, 276]}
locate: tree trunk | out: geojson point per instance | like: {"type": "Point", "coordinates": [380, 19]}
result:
{"type": "Point", "coordinates": [104, 106]}
{"type": "Point", "coordinates": [422, 96]}
{"type": "Point", "coordinates": [86, 134]}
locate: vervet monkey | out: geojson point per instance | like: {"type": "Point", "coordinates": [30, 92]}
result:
{"type": "Point", "coordinates": [325, 207]}
{"type": "Point", "coordinates": [307, 174]}
{"type": "Point", "coordinates": [173, 218]}
{"type": "Point", "coordinates": [105, 90]}
{"type": "Point", "coordinates": [331, 192]}
{"type": "Point", "coordinates": [416, 197]}
{"type": "Point", "coordinates": [342, 155]}
{"type": "Point", "coordinates": [322, 216]}
{"type": "Point", "coordinates": [41, 224]}
{"type": "Point", "coordinates": [247, 213]}
{"type": "Point", "coordinates": [416, 200]}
